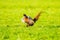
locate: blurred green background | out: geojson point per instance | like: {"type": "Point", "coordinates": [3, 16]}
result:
{"type": "Point", "coordinates": [46, 28]}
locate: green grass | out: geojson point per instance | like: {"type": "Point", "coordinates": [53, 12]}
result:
{"type": "Point", "coordinates": [46, 28]}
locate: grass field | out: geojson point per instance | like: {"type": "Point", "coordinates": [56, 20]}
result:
{"type": "Point", "coordinates": [46, 28]}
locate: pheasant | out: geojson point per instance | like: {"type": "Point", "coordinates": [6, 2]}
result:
{"type": "Point", "coordinates": [29, 20]}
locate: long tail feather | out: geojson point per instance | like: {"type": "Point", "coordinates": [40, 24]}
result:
{"type": "Point", "coordinates": [36, 17]}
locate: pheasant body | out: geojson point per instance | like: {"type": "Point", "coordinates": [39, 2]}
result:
{"type": "Point", "coordinates": [29, 20]}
